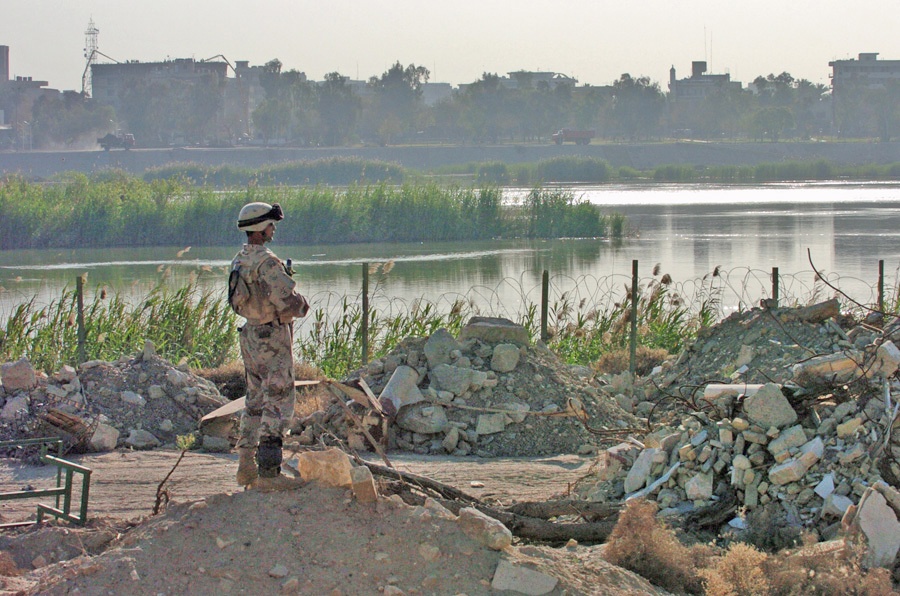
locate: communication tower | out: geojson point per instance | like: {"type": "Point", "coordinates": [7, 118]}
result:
{"type": "Point", "coordinates": [90, 53]}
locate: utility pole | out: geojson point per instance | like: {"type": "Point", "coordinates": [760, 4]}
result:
{"type": "Point", "coordinates": [90, 53]}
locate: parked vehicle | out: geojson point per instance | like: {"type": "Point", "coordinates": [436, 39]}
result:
{"type": "Point", "coordinates": [571, 135]}
{"type": "Point", "coordinates": [116, 141]}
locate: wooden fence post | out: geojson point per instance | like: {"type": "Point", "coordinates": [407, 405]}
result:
{"type": "Point", "coordinates": [881, 285]}
{"type": "Point", "coordinates": [775, 286]}
{"type": "Point", "coordinates": [634, 311]}
{"type": "Point", "coordinates": [365, 313]}
{"type": "Point", "coordinates": [545, 298]}
{"type": "Point", "coordinates": [82, 335]}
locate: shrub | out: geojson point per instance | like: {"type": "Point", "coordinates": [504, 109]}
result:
{"type": "Point", "coordinates": [739, 573]}
{"type": "Point", "coordinates": [641, 543]}
{"type": "Point", "coordinates": [617, 361]}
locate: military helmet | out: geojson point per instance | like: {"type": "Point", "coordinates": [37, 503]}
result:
{"type": "Point", "coordinates": [256, 217]}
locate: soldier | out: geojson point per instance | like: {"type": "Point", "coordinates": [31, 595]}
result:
{"type": "Point", "coordinates": [261, 290]}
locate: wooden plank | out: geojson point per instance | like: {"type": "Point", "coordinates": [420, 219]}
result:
{"type": "Point", "coordinates": [375, 404]}
{"type": "Point", "coordinates": [226, 410]}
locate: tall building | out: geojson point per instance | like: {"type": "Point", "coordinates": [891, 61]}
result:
{"type": "Point", "coordinates": [4, 64]}
{"type": "Point", "coordinates": [699, 84]}
{"type": "Point", "coordinates": [855, 87]}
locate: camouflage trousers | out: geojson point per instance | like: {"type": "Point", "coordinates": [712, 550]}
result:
{"type": "Point", "coordinates": [269, 368]}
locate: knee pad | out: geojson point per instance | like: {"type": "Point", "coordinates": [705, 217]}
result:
{"type": "Point", "coordinates": [268, 456]}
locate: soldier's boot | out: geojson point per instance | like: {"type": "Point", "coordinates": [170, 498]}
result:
{"type": "Point", "coordinates": [268, 458]}
{"type": "Point", "coordinates": [247, 470]}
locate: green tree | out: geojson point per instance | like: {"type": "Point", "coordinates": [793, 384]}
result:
{"type": "Point", "coordinates": [770, 123]}
{"type": "Point", "coordinates": [397, 95]}
{"type": "Point", "coordinates": [70, 119]}
{"type": "Point", "coordinates": [338, 108]}
{"type": "Point", "coordinates": [638, 106]}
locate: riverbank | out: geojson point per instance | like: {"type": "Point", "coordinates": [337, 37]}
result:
{"type": "Point", "coordinates": [44, 164]}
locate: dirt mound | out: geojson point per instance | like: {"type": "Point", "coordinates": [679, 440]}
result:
{"type": "Point", "coordinates": [316, 540]}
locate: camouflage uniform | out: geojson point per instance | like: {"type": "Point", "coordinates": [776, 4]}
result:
{"type": "Point", "coordinates": [267, 343]}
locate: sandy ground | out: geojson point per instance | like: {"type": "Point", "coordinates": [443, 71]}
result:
{"type": "Point", "coordinates": [124, 483]}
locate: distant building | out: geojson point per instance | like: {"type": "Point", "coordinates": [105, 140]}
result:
{"type": "Point", "coordinates": [699, 84]}
{"type": "Point", "coordinates": [17, 97]}
{"type": "Point", "coordinates": [110, 81]}
{"type": "Point", "coordinates": [851, 81]}
{"type": "Point", "coordinates": [526, 79]}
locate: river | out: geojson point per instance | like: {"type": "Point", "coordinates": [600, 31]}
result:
{"type": "Point", "coordinates": [689, 231]}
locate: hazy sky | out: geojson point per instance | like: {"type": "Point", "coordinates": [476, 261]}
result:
{"type": "Point", "coordinates": [594, 41]}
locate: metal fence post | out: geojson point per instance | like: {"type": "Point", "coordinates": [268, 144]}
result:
{"type": "Point", "coordinates": [545, 299]}
{"type": "Point", "coordinates": [775, 286]}
{"type": "Point", "coordinates": [82, 335]}
{"type": "Point", "coordinates": [634, 310]}
{"type": "Point", "coordinates": [881, 285]}
{"type": "Point", "coordinates": [365, 313]}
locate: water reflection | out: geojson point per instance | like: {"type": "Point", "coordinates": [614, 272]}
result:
{"type": "Point", "coordinates": [689, 230]}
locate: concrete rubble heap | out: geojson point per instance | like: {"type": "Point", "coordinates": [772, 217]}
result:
{"type": "Point", "coordinates": [487, 393]}
{"type": "Point", "coordinates": [140, 401]}
{"type": "Point", "coordinates": [819, 445]}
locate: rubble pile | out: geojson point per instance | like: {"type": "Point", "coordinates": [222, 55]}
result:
{"type": "Point", "coordinates": [139, 401]}
{"type": "Point", "coordinates": [487, 393]}
{"type": "Point", "coordinates": [822, 443]}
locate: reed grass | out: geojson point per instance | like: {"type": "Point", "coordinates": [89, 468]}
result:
{"type": "Point", "coordinates": [120, 210]}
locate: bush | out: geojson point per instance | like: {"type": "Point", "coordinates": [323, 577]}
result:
{"type": "Point", "coordinates": [640, 543]}
{"type": "Point", "coordinates": [739, 573]}
{"type": "Point", "coordinates": [645, 360]}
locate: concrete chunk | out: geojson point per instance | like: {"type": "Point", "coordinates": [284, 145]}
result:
{"type": "Point", "coordinates": [401, 390]}
{"type": "Point", "coordinates": [484, 529]}
{"type": "Point", "coordinates": [768, 407]}
{"type": "Point", "coordinates": [521, 580]}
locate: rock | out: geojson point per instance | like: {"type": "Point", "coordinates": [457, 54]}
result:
{"type": "Point", "coordinates": [495, 331]}
{"type": "Point", "coordinates": [18, 375]}
{"type": "Point", "coordinates": [212, 444]}
{"type": "Point", "coordinates": [156, 392]}
{"type": "Point", "coordinates": [488, 424]}
{"type": "Point", "coordinates": [484, 529]}
{"type": "Point", "coordinates": [768, 407]}
{"type": "Point", "coordinates": [445, 377]}
{"type": "Point", "coordinates": [401, 390]}
{"type": "Point", "coordinates": [505, 358]}
{"type": "Point", "coordinates": [877, 522]}
{"type": "Point", "coordinates": [363, 485]}
{"type": "Point", "coordinates": [518, 579]}
{"type": "Point", "coordinates": [14, 406]}
{"type": "Point", "coordinates": [700, 487]}
{"type": "Point", "coordinates": [66, 374]}
{"type": "Point", "coordinates": [836, 505]}
{"type": "Point", "coordinates": [640, 471]}
{"type": "Point", "coordinates": [141, 439]}
{"type": "Point", "coordinates": [331, 467]}
{"type": "Point", "coordinates": [450, 440]}
{"type": "Point", "coordinates": [105, 438]}
{"type": "Point", "coordinates": [424, 418]}
{"type": "Point", "coordinates": [792, 437]}
{"type": "Point", "coordinates": [439, 346]}
{"type": "Point", "coordinates": [278, 571]}
{"type": "Point", "coordinates": [130, 397]}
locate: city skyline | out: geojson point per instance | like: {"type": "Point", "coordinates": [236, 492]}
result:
{"type": "Point", "coordinates": [594, 42]}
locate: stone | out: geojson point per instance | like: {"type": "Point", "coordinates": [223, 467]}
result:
{"type": "Point", "coordinates": [15, 406]}
{"type": "Point", "coordinates": [439, 346]}
{"type": "Point", "coordinates": [495, 331]}
{"type": "Point", "coordinates": [829, 369]}
{"type": "Point", "coordinates": [887, 360]}
{"type": "Point", "coordinates": [826, 486]}
{"type": "Point", "coordinates": [699, 488]}
{"type": "Point", "coordinates": [278, 571]}
{"type": "Point", "coordinates": [401, 390]}
{"type": "Point", "coordinates": [484, 529]}
{"type": "Point", "coordinates": [18, 375]}
{"type": "Point", "coordinates": [66, 374]}
{"type": "Point", "coordinates": [518, 579]}
{"type": "Point", "coordinates": [450, 440]}
{"type": "Point", "coordinates": [769, 407]}
{"type": "Point", "coordinates": [105, 438]}
{"type": "Point", "coordinates": [445, 377]}
{"type": "Point", "coordinates": [505, 358]}
{"type": "Point", "coordinates": [331, 467]}
{"type": "Point", "coordinates": [424, 418]}
{"type": "Point", "coordinates": [791, 437]}
{"type": "Point", "coordinates": [488, 424]}
{"type": "Point", "coordinates": [848, 428]}
{"type": "Point", "coordinates": [155, 392]}
{"type": "Point", "coordinates": [363, 485]}
{"type": "Point", "coordinates": [518, 412]}
{"type": "Point", "coordinates": [790, 471]}
{"type": "Point", "coordinates": [141, 439]}
{"type": "Point", "coordinates": [213, 444]}
{"type": "Point", "coordinates": [836, 505]}
{"type": "Point", "coordinates": [130, 397]}
{"type": "Point", "coordinates": [877, 521]}
{"type": "Point", "coordinates": [640, 471]}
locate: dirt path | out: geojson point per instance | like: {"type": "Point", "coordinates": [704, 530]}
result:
{"type": "Point", "coordinates": [124, 483]}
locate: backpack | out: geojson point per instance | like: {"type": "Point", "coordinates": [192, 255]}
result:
{"type": "Point", "coordinates": [238, 292]}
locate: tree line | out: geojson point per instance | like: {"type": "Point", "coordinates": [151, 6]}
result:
{"type": "Point", "coordinates": [390, 109]}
